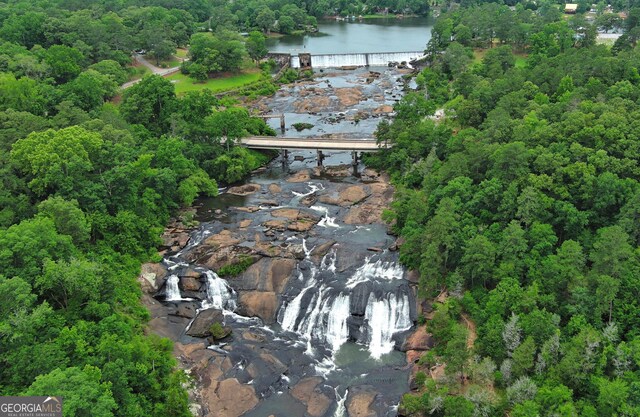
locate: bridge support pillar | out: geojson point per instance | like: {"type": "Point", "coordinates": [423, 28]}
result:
{"type": "Point", "coordinates": [282, 125]}
{"type": "Point", "coordinates": [354, 162]}
{"type": "Point", "coordinates": [320, 158]}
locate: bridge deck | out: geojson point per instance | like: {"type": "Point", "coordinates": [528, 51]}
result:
{"type": "Point", "coordinates": [333, 144]}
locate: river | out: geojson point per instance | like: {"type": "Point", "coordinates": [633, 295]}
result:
{"type": "Point", "coordinates": [368, 35]}
{"type": "Point", "coordinates": [320, 319]}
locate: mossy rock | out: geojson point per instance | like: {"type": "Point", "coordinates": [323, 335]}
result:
{"type": "Point", "coordinates": [302, 126]}
{"type": "Point", "coordinates": [218, 331]}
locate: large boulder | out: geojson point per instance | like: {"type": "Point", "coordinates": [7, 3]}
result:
{"type": "Point", "coordinates": [275, 188]}
{"type": "Point", "coordinates": [190, 284]}
{"type": "Point", "coordinates": [298, 220]}
{"type": "Point", "coordinates": [203, 322]}
{"type": "Point", "coordinates": [300, 176]}
{"type": "Point", "coordinates": [223, 239]}
{"type": "Point", "coordinates": [185, 309]}
{"type": "Point", "coordinates": [268, 274]}
{"type": "Point", "coordinates": [152, 277]}
{"type": "Point", "coordinates": [215, 258]}
{"type": "Point", "coordinates": [418, 340]}
{"type": "Point", "coordinates": [229, 398]}
{"type": "Point", "coordinates": [262, 304]}
{"type": "Point", "coordinates": [292, 214]}
{"type": "Point", "coordinates": [173, 239]}
{"type": "Point", "coordinates": [360, 298]}
{"type": "Point", "coordinates": [352, 195]}
{"type": "Point", "coordinates": [301, 225]}
{"type": "Point", "coordinates": [245, 189]}
{"type": "Point", "coordinates": [307, 392]}
{"type": "Point", "coordinates": [360, 401]}
{"type": "Point", "coordinates": [318, 252]}
{"type": "Point", "coordinates": [370, 211]}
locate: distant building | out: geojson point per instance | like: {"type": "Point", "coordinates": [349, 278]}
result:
{"type": "Point", "coordinates": [570, 8]}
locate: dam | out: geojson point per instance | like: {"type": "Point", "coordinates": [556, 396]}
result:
{"type": "Point", "coordinates": [364, 59]}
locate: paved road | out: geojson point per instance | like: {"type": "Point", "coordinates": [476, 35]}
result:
{"type": "Point", "coordinates": [337, 144]}
{"type": "Point", "coordinates": [155, 70]}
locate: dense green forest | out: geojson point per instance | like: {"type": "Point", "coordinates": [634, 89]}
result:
{"type": "Point", "coordinates": [86, 189]}
{"type": "Point", "coordinates": [522, 201]}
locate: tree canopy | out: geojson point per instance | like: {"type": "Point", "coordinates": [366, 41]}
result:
{"type": "Point", "coordinates": [520, 201]}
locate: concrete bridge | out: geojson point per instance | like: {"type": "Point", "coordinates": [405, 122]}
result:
{"type": "Point", "coordinates": [318, 144]}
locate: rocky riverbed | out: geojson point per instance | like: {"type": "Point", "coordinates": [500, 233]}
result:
{"type": "Point", "coordinates": [314, 313]}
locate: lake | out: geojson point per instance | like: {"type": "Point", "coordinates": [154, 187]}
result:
{"type": "Point", "coordinates": [369, 35]}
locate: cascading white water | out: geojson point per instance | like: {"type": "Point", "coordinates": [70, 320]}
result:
{"type": "Point", "coordinates": [341, 410]}
{"type": "Point", "coordinates": [291, 312]}
{"type": "Point", "coordinates": [376, 270]}
{"type": "Point", "coordinates": [337, 332]}
{"type": "Point", "coordinates": [358, 59]}
{"type": "Point", "coordinates": [338, 60]}
{"type": "Point", "coordinates": [172, 291]}
{"type": "Point", "coordinates": [325, 316]}
{"type": "Point", "coordinates": [321, 312]}
{"type": "Point", "coordinates": [219, 294]}
{"type": "Point", "coordinates": [384, 318]}
{"type": "Point", "coordinates": [313, 187]}
{"type": "Point", "coordinates": [307, 251]}
{"type": "Point", "coordinates": [326, 221]}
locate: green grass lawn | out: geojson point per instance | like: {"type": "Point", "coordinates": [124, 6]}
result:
{"type": "Point", "coordinates": [478, 55]}
{"type": "Point", "coordinates": [185, 84]}
{"type": "Point", "coordinates": [138, 72]}
{"type": "Point", "coordinates": [174, 61]}
{"type": "Point", "coordinates": [521, 61]}
{"type": "Point", "coordinates": [182, 52]}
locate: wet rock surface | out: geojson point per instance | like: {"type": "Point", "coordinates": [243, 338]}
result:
{"type": "Point", "coordinates": [201, 325]}
{"type": "Point", "coordinates": [245, 189]}
{"type": "Point", "coordinates": [278, 231]}
{"type": "Point", "coordinates": [344, 103]}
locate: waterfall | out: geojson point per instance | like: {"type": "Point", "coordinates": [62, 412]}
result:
{"type": "Point", "coordinates": [341, 410]}
{"type": "Point", "coordinates": [292, 311]}
{"type": "Point", "coordinates": [172, 291]}
{"type": "Point", "coordinates": [337, 331]}
{"type": "Point", "coordinates": [376, 270]}
{"type": "Point", "coordinates": [359, 59]}
{"type": "Point", "coordinates": [219, 294]}
{"type": "Point", "coordinates": [334, 311]}
{"type": "Point", "coordinates": [338, 60]}
{"type": "Point", "coordinates": [384, 318]}
{"type": "Point", "coordinates": [326, 221]}
{"type": "Point", "coordinates": [324, 316]}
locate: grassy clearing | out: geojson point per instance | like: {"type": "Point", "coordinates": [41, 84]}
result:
{"type": "Point", "coordinates": [185, 84]}
{"type": "Point", "coordinates": [521, 61]}
{"type": "Point", "coordinates": [138, 71]}
{"type": "Point", "coordinates": [174, 61]}
{"type": "Point", "coordinates": [479, 53]}
{"type": "Point", "coordinates": [182, 52]}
